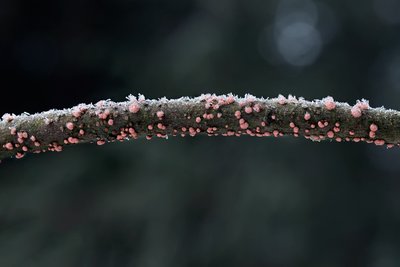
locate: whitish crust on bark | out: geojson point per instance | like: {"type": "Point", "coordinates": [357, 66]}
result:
{"type": "Point", "coordinates": [226, 115]}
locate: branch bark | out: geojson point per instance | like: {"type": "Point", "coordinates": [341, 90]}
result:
{"type": "Point", "coordinates": [227, 115]}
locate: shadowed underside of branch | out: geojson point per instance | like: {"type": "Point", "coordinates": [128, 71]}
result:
{"type": "Point", "coordinates": [226, 115]}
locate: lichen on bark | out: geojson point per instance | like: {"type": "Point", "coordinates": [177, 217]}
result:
{"type": "Point", "coordinates": [227, 115]}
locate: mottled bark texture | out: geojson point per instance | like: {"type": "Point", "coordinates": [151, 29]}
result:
{"type": "Point", "coordinates": [226, 115]}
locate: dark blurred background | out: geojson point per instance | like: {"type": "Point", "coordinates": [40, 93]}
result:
{"type": "Point", "coordinates": [200, 201]}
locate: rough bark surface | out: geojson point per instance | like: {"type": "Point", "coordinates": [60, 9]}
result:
{"type": "Point", "coordinates": [227, 115]}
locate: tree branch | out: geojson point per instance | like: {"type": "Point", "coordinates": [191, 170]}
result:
{"type": "Point", "coordinates": [226, 115]}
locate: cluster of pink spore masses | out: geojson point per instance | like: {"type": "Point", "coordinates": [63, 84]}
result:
{"type": "Point", "coordinates": [209, 114]}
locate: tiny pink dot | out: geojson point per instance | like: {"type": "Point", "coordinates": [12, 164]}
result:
{"type": "Point", "coordinates": [329, 103]}
{"type": "Point", "coordinates": [9, 146]}
{"type": "Point", "coordinates": [237, 114]}
{"type": "Point", "coordinates": [291, 125]}
{"type": "Point", "coordinates": [101, 142]}
{"type": "Point", "coordinates": [356, 112]}
{"type": "Point", "coordinates": [248, 110]}
{"type": "Point", "coordinates": [19, 155]}
{"type": "Point", "coordinates": [372, 134]}
{"type": "Point", "coordinates": [373, 127]}
{"type": "Point", "coordinates": [69, 125]}
{"type": "Point", "coordinates": [244, 125]}
{"type": "Point", "coordinates": [330, 134]}
{"type": "Point", "coordinates": [307, 116]}
{"type": "Point", "coordinates": [379, 142]}
{"type": "Point", "coordinates": [134, 107]}
{"type": "Point", "coordinates": [110, 122]}
{"type": "Point", "coordinates": [160, 114]}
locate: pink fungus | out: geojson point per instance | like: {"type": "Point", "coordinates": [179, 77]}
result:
{"type": "Point", "coordinates": [291, 125]}
{"type": "Point", "coordinates": [329, 103]}
{"type": "Point", "coordinates": [76, 113]}
{"type": "Point", "coordinates": [101, 142]}
{"type": "Point", "coordinates": [238, 114]}
{"type": "Point", "coordinates": [244, 125]}
{"type": "Point", "coordinates": [379, 142]}
{"type": "Point", "coordinates": [307, 116]}
{"type": "Point", "coordinates": [198, 119]}
{"type": "Point", "coordinates": [263, 123]}
{"type": "Point", "coordinates": [330, 134]}
{"type": "Point", "coordinates": [69, 125]}
{"type": "Point", "coordinates": [296, 130]}
{"type": "Point", "coordinates": [183, 129]}
{"type": "Point", "coordinates": [13, 131]}
{"type": "Point", "coordinates": [363, 104]}
{"type": "Point", "coordinates": [336, 129]}
{"type": "Point", "coordinates": [160, 114]}
{"type": "Point", "coordinates": [257, 108]}
{"type": "Point", "coordinates": [356, 112]}
{"type": "Point", "coordinates": [36, 143]}
{"type": "Point", "coordinates": [81, 132]}
{"type": "Point", "coordinates": [248, 110]}
{"type": "Point", "coordinates": [281, 100]}
{"type": "Point", "coordinates": [373, 127]}
{"type": "Point", "coordinates": [351, 132]}
{"type": "Point", "coordinates": [321, 124]}
{"type": "Point", "coordinates": [160, 126]}
{"type": "Point", "coordinates": [219, 115]}
{"type": "Point", "coordinates": [134, 107]}
{"type": "Point", "coordinates": [24, 148]}
{"type": "Point", "coordinates": [356, 139]}
{"type": "Point", "coordinates": [372, 134]}
{"type": "Point", "coordinates": [19, 155]}
{"type": "Point", "coordinates": [9, 146]}
{"type": "Point", "coordinates": [275, 133]}
{"type": "Point", "coordinates": [150, 127]}
{"type": "Point", "coordinates": [273, 117]}
{"type": "Point", "coordinates": [338, 139]}
{"type": "Point", "coordinates": [110, 122]}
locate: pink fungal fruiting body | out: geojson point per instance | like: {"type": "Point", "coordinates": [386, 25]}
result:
{"type": "Point", "coordinates": [329, 103]}
{"type": "Point", "coordinates": [134, 107]}
{"type": "Point", "coordinates": [69, 125]}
